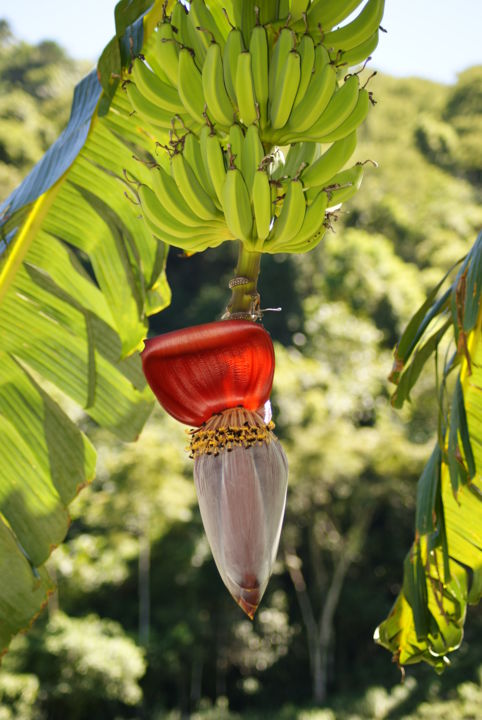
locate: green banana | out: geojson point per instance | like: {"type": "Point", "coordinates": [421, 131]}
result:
{"type": "Point", "coordinates": [326, 15]}
{"type": "Point", "coordinates": [261, 200]}
{"type": "Point", "coordinates": [285, 91]}
{"type": "Point", "coordinates": [245, 16]}
{"type": "Point", "coordinates": [236, 142]}
{"type": "Point", "coordinates": [310, 194]}
{"type": "Point", "coordinates": [148, 54]}
{"type": "Point", "coordinates": [356, 117]}
{"type": "Point", "coordinates": [202, 238]}
{"type": "Point", "coordinates": [221, 18]}
{"type": "Point", "coordinates": [163, 55]}
{"type": "Point", "coordinates": [226, 8]}
{"type": "Point", "coordinates": [283, 9]}
{"type": "Point", "coordinates": [233, 48]}
{"type": "Point", "coordinates": [168, 195]}
{"type": "Point", "coordinates": [311, 231]}
{"type": "Point", "coordinates": [147, 111]}
{"type": "Point", "coordinates": [298, 8]}
{"type": "Point", "coordinates": [209, 241]}
{"type": "Point", "coordinates": [306, 49]}
{"type": "Point", "coordinates": [190, 85]}
{"type": "Point", "coordinates": [330, 162]}
{"type": "Point", "coordinates": [309, 244]}
{"type": "Point", "coordinates": [344, 185]}
{"type": "Point", "coordinates": [197, 243]}
{"type": "Point", "coordinates": [198, 41]}
{"type": "Point", "coordinates": [284, 44]}
{"type": "Point", "coordinates": [299, 154]}
{"type": "Point", "coordinates": [359, 53]}
{"type": "Point", "coordinates": [318, 97]}
{"type": "Point", "coordinates": [191, 189]}
{"type": "Point", "coordinates": [359, 30]}
{"type": "Point", "coordinates": [237, 206]}
{"type": "Point", "coordinates": [180, 24]}
{"type": "Point", "coordinates": [248, 113]}
{"type": "Point", "coordinates": [155, 90]}
{"type": "Point", "coordinates": [193, 155]}
{"type": "Point", "coordinates": [252, 154]}
{"type": "Point", "coordinates": [313, 221]}
{"type": "Point", "coordinates": [258, 47]}
{"type": "Point", "coordinates": [204, 23]}
{"type": "Point", "coordinates": [291, 217]}
{"type": "Point", "coordinates": [268, 11]}
{"type": "Point", "coordinates": [341, 105]}
{"type": "Point", "coordinates": [213, 157]}
{"type": "Point", "coordinates": [218, 103]}
{"type": "Point", "coordinates": [156, 213]}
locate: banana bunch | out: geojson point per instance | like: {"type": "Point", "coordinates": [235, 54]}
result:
{"type": "Point", "coordinates": [277, 67]}
{"type": "Point", "coordinates": [181, 205]}
{"type": "Point", "coordinates": [258, 112]}
{"type": "Point", "coordinates": [208, 190]}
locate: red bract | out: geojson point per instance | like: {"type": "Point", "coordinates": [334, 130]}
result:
{"type": "Point", "coordinates": [202, 370]}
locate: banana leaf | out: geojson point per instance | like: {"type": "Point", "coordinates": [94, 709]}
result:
{"type": "Point", "coordinates": [79, 276]}
{"type": "Point", "coordinates": [443, 570]}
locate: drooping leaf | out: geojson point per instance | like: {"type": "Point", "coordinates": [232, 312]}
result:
{"type": "Point", "coordinates": [415, 631]}
{"type": "Point", "coordinates": [79, 276]}
{"type": "Point", "coordinates": [465, 294]}
{"type": "Point", "coordinates": [24, 589]}
{"type": "Point", "coordinates": [473, 286]}
{"type": "Point", "coordinates": [415, 590]}
{"type": "Point", "coordinates": [409, 377]}
{"type": "Point", "coordinates": [443, 571]}
{"type": "Point", "coordinates": [415, 329]}
{"type": "Point", "coordinates": [427, 491]}
{"type": "Point", "coordinates": [461, 468]}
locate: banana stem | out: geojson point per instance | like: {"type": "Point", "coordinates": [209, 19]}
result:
{"type": "Point", "coordinates": [244, 303]}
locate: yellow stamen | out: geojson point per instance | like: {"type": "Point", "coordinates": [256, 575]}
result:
{"type": "Point", "coordinates": [235, 427]}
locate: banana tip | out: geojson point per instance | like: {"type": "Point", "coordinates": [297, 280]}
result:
{"type": "Point", "coordinates": [248, 596]}
{"type": "Point", "coordinates": [247, 607]}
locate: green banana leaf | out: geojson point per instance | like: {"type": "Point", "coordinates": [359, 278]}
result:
{"type": "Point", "coordinates": [443, 570]}
{"type": "Point", "coordinates": [79, 276]}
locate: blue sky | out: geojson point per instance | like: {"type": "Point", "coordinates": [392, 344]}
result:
{"type": "Point", "coordinates": [435, 39]}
